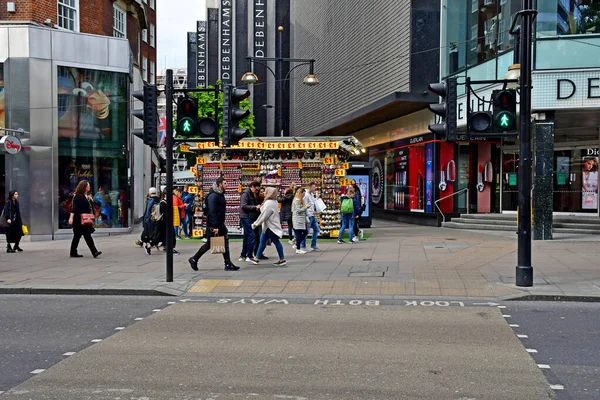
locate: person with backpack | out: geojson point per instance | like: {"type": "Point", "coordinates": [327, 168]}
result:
{"type": "Point", "coordinates": [160, 232]}
{"type": "Point", "coordinates": [360, 198]}
{"type": "Point", "coordinates": [349, 209]}
{"type": "Point", "coordinates": [215, 208]}
{"type": "Point", "coordinates": [151, 218]}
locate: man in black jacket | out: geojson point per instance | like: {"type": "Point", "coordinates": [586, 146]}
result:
{"type": "Point", "coordinates": [249, 212]}
{"type": "Point", "coordinates": [215, 224]}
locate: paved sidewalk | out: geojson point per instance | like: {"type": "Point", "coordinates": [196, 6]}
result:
{"type": "Point", "coordinates": [398, 260]}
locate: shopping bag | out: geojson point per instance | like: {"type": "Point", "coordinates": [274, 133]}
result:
{"type": "Point", "coordinates": [320, 205]}
{"type": "Point", "coordinates": [217, 245]}
{"type": "Point", "coordinates": [25, 230]}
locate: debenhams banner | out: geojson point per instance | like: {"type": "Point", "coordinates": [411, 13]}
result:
{"type": "Point", "coordinates": [553, 90]}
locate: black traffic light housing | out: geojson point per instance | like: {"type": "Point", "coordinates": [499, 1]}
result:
{"type": "Point", "coordinates": [446, 109]}
{"type": "Point", "coordinates": [187, 116]}
{"type": "Point", "coordinates": [148, 114]}
{"type": "Point", "coordinates": [479, 123]}
{"type": "Point", "coordinates": [233, 115]}
{"type": "Point", "coordinates": [504, 114]}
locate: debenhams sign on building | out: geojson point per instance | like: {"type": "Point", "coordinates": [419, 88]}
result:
{"type": "Point", "coordinates": [553, 90]}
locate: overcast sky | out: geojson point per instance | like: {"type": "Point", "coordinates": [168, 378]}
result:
{"type": "Point", "coordinates": [175, 19]}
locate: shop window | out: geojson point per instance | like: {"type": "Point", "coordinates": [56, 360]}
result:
{"type": "Point", "coordinates": [92, 144]}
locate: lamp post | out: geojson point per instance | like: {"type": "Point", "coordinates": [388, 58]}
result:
{"type": "Point", "coordinates": [250, 78]}
{"type": "Point", "coordinates": [524, 269]}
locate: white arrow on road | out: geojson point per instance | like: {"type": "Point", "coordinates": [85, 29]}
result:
{"type": "Point", "coordinates": [486, 304]}
{"type": "Point", "coordinates": [187, 300]}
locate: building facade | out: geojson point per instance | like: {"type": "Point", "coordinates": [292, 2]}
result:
{"type": "Point", "coordinates": [68, 70]}
{"type": "Point", "coordinates": [565, 101]}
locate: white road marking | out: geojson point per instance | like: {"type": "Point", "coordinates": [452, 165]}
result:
{"type": "Point", "coordinates": [557, 387]}
{"type": "Point", "coordinates": [119, 328]}
{"type": "Point", "coordinates": [172, 302]}
{"type": "Point", "coordinates": [531, 350]}
{"type": "Point", "coordinates": [501, 306]}
{"type": "Point", "coordinates": [522, 336]}
{"type": "Point", "coordinates": [544, 366]}
{"type": "Point", "coordinates": [96, 340]}
{"type": "Point", "coordinates": [37, 371]}
{"type": "Point", "coordinates": [138, 319]}
{"type": "Point", "coordinates": [157, 310]}
{"type": "Point", "coordinates": [506, 315]}
{"type": "Point", "coordinates": [69, 353]}
{"type": "Point", "coordinates": [513, 325]}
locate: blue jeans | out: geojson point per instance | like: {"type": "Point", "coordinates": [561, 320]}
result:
{"type": "Point", "coordinates": [314, 225]}
{"type": "Point", "coordinates": [300, 234]}
{"type": "Point", "coordinates": [249, 238]}
{"type": "Point", "coordinates": [263, 243]}
{"type": "Point", "coordinates": [347, 223]}
{"type": "Point", "coordinates": [187, 224]}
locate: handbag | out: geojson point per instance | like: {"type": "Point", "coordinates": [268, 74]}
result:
{"type": "Point", "coordinates": [87, 219]}
{"type": "Point", "coordinates": [25, 230]}
{"type": "Point", "coordinates": [217, 245]}
{"type": "Point", "coordinates": [3, 223]}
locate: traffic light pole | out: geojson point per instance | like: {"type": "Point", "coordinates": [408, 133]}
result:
{"type": "Point", "coordinates": [169, 150]}
{"type": "Point", "coordinates": [524, 269]}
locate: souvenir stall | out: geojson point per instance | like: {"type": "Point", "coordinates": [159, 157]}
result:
{"type": "Point", "coordinates": [276, 162]}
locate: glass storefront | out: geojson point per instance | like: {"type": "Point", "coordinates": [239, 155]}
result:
{"type": "Point", "coordinates": [92, 131]}
{"type": "Point", "coordinates": [475, 31]}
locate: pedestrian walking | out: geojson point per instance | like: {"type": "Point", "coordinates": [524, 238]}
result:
{"type": "Point", "coordinates": [300, 217]}
{"type": "Point", "coordinates": [309, 200]}
{"type": "Point", "coordinates": [260, 198]}
{"type": "Point", "coordinates": [82, 219]}
{"type": "Point", "coordinates": [160, 235]}
{"type": "Point", "coordinates": [151, 218]}
{"type": "Point", "coordinates": [360, 198]}
{"type": "Point", "coordinates": [285, 214]}
{"type": "Point", "coordinates": [12, 213]}
{"type": "Point", "coordinates": [249, 212]}
{"type": "Point", "coordinates": [178, 211]}
{"type": "Point", "coordinates": [271, 226]}
{"type": "Point", "coordinates": [215, 221]}
{"type": "Point", "coordinates": [188, 200]}
{"type": "Point", "coordinates": [349, 209]}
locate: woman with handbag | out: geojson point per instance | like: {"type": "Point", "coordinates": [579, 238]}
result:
{"type": "Point", "coordinates": [271, 226]}
{"type": "Point", "coordinates": [82, 220]}
{"type": "Point", "coordinates": [12, 215]}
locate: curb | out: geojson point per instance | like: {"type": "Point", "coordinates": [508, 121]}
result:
{"type": "Point", "coordinates": [552, 297]}
{"type": "Point", "coordinates": [90, 292]}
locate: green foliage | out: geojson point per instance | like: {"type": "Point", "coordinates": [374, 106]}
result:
{"type": "Point", "coordinates": [206, 108]}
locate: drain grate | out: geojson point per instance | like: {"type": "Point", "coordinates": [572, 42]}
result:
{"type": "Point", "coordinates": [367, 274]}
{"type": "Point", "coordinates": [367, 259]}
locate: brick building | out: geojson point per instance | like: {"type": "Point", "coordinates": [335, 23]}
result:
{"type": "Point", "coordinates": [131, 19]}
{"type": "Point", "coordinates": [67, 71]}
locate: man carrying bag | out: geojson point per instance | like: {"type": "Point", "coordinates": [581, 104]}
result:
{"type": "Point", "coordinates": [218, 241]}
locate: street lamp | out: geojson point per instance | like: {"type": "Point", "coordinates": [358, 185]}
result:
{"type": "Point", "coordinates": [250, 78]}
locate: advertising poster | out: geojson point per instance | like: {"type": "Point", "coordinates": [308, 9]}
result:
{"type": "Point", "coordinates": [401, 192]}
{"type": "Point", "coordinates": [2, 122]}
{"type": "Point", "coordinates": [429, 177]}
{"type": "Point", "coordinates": [377, 182]}
{"type": "Point", "coordinates": [562, 170]}
{"type": "Point", "coordinates": [363, 184]}
{"type": "Point", "coordinates": [91, 104]}
{"type": "Point", "coordinates": [589, 183]}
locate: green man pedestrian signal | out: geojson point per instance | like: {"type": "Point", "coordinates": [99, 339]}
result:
{"type": "Point", "coordinates": [233, 115]}
{"type": "Point", "coordinates": [148, 114]}
{"type": "Point", "coordinates": [187, 116]}
{"type": "Point", "coordinates": [504, 110]}
{"type": "Point", "coordinates": [446, 109]}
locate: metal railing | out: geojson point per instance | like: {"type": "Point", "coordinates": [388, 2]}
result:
{"type": "Point", "coordinates": [465, 190]}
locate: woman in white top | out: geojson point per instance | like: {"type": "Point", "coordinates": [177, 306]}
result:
{"type": "Point", "coordinates": [299, 217]}
{"type": "Point", "coordinates": [271, 226]}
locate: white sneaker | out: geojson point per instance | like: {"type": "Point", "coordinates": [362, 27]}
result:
{"type": "Point", "coordinates": [292, 242]}
{"type": "Point", "coordinates": [251, 261]}
{"type": "Point", "coordinates": [242, 259]}
{"type": "Point", "coordinates": [360, 233]}
{"type": "Point", "coordinates": [300, 251]}
{"type": "Point", "coordinates": [355, 239]}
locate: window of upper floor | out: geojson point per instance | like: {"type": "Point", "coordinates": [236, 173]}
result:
{"type": "Point", "coordinates": [68, 15]}
{"type": "Point", "coordinates": [153, 4]}
{"type": "Point", "coordinates": [152, 35]}
{"type": "Point", "coordinates": [119, 22]}
{"type": "Point", "coordinates": [145, 35]}
{"type": "Point", "coordinates": [145, 68]}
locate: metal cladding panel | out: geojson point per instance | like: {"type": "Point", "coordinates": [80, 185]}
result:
{"type": "Point", "coordinates": [69, 47]}
{"type": "Point", "coordinates": [118, 53]}
{"type": "Point", "coordinates": [41, 195]}
{"type": "Point", "coordinates": [4, 49]}
{"type": "Point", "coordinates": [40, 41]}
{"type": "Point", "coordinates": [18, 41]}
{"type": "Point", "coordinates": [41, 96]}
{"type": "Point", "coordinates": [362, 53]}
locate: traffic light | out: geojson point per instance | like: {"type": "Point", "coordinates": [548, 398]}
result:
{"type": "Point", "coordinates": [233, 115]}
{"type": "Point", "coordinates": [187, 116]}
{"type": "Point", "coordinates": [446, 109]}
{"type": "Point", "coordinates": [505, 110]}
{"type": "Point", "coordinates": [479, 123]}
{"type": "Point", "coordinates": [149, 115]}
